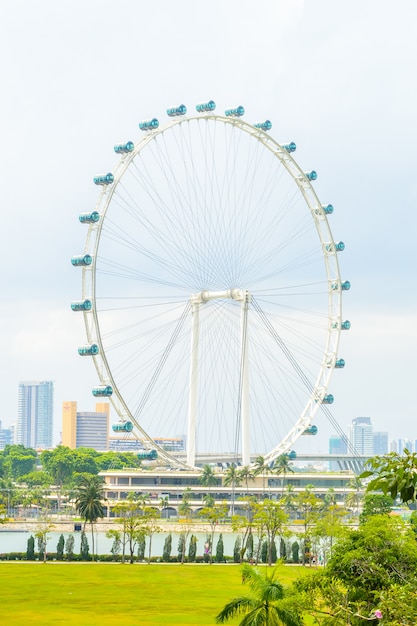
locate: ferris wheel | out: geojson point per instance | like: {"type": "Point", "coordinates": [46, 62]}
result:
{"type": "Point", "coordinates": [211, 290]}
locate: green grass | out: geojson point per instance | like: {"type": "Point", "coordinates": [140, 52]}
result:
{"type": "Point", "coordinates": [113, 594]}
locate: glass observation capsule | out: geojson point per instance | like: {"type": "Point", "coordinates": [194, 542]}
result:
{"type": "Point", "coordinates": [311, 430]}
{"type": "Point", "coordinates": [312, 175]}
{"type": "Point", "coordinates": [235, 112]}
{"type": "Point", "coordinates": [146, 125]}
{"type": "Point", "coordinates": [344, 285]}
{"type": "Point", "coordinates": [122, 427]}
{"type": "Point", "coordinates": [328, 399]}
{"type": "Point", "coordinates": [81, 305]}
{"type": "Point", "coordinates": [289, 147]}
{"type": "Point", "coordinates": [88, 350]}
{"type": "Point", "coordinates": [266, 125]}
{"type": "Point", "coordinates": [102, 391]}
{"type": "Point", "coordinates": [81, 260]}
{"type": "Point", "coordinates": [205, 107]}
{"type": "Point", "coordinates": [292, 455]}
{"type": "Point", "coordinates": [89, 218]}
{"type": "Point", "coordinates": [124, 148]}
{"type": "Point", "coordinates": [176, 111]}
{"type": "Point", "coordinates": [339, 363]}
{"type": "Point", "coordinates": [148, 455]}
{"type": "Point", "coordinates": [105, 179]}
{"type": "Point", "coordinates": [338, 246]}
{"type": "Point", "coordinates": [328, 209]}
{"type": "Point", "coordinates": [345, 325]}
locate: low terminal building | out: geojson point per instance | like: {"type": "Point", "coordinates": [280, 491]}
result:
{"type": "Point", "coordinates": [168, 486]}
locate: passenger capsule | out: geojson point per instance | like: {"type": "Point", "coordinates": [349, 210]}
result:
{"type": "Point", "coordinates": [289, 147]}
{"type": "Point", "coordinates": [81, 305]}
{"type": "Point", "coordinates": [149, 124]}
{"type": "Point", "coordinates": [328, 399]}
{"type": "Point", "coordinates": [88, 350]}
{"type": "Point", "coordinates": [147, 455]}
{"type": "Point", "coordinates": [89, 218]}
{"type": "Point", "coordinates": [345, 325]}
{"type": "Point", "coordinates": [311, 430]}
{"type": "Point", "coordinates": [328, 209]}
{"type": "Point", "coordinates": [176, 111]}
{"type": "Point", "coordinates": [205, 107]}
{"type": "Point", "coordinates": [124, 148]}
{"type": "Point", "coordinates": [81, 260]}
{"type": "Point", "coordinates": [292, 455]}
{"type": "Point", "coordinates": [105, 179]}
{"type": "Point", "coordinates": [344, 286]}
{"type": "Point", "coordinates": [102, 391]}
{"type": "Point", "coordinates": [235, 112]}
{"type": "Point", "coordinates": [266, 125]}
{"type": "Point", "coordinates": [338, 246]}
{"type": "Point", "coordinates": [339, 363]}
{"type": "Point", "coordinates": [312, 175]}
{"type": "Point", "coordinates": [122, 427]}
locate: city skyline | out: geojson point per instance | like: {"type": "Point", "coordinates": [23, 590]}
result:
{"type": "Point", "coordinates": [350, 109]}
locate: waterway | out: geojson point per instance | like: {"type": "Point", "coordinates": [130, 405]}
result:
{"type": "Point", "coordinates": [16, 541]}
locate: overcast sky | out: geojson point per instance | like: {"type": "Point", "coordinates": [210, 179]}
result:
{"type": "Point", "coordinates": [337, 78]}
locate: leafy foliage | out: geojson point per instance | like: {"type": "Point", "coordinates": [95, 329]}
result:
{"type": "Point", "coordinates": [265, 604]}
{"type": "Point", "coordinates": [394, 474]}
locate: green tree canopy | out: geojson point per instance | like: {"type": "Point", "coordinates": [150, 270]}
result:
{"type": "Point", "coordinates": [88, 502]}
{"type": "Point", "coordinates": [393, 474]}
{"type": "Point", "coordinates": [265, 604]}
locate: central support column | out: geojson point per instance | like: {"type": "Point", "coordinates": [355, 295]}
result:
{"type": "Point", "coordinates": [196, 301]}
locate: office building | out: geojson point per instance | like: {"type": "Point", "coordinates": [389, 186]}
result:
{"type": "Point", "coordinates": [380, 442]}
{"type": "Point", "coordinates": [360, 436]}
{"type": "Point", "coordinates": [6, 436]}
{"type": "Point", "coordinates": [337, 446]}
{"type": "Point", "coordinates": [86, 429]}
{"type": "Point", "coordinates": [35, 414]}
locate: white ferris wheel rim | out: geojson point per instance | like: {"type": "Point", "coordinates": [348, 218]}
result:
{"type": "Point", "coordinates": [334, 309]}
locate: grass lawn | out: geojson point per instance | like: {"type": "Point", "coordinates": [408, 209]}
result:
{"type": "Point", "coordinates": [109, 593]}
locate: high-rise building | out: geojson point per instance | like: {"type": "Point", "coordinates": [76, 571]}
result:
{"type": "Point", "coordinates": [380, 440]}
{"type": "Point", "coordinates": [360, 435]}
{"type": "Point", "coordinates": [86, 429]}
{"type": "Point", "coordinates": [338, 446]}
{"type": "Point", "coordinates": [35, 414]}
{"type": "Point", "coordinates": [6, 436]}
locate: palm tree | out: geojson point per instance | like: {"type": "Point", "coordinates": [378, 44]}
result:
{"type": "Point", "coordinates": [282, 466]}
{"type": "Point", "coordinates": [262, 468]}
{"type": "Point", "coordinates": [208, 477]}
{"type": "Point", "coordinates": [89, 495]}
{"type": "Point", "coordinates": [246, 473]}
{"type": "Point", "coordinates": [265, 605]}
{"type": "Point", "coordinates": [353, 498]}
{"type": "Point", "coordinates": [232, 477]}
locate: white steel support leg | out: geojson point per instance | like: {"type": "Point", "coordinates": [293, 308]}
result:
{"type": "Point", "coordinates": [193, 390]}
{"type": "Point", "coordinates": [245, 413]}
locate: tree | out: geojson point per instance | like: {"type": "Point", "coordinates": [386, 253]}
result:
{"type": "Point", "coordinates": [262, 468]}
{"type": "Point", "coordinates": [393, 474]}
{"type": "Point", "coordinates": [192, 549]}
{"type": "Point", "coordinates": [208, 477]}
{"type": "Point", "coordinates": [150, 526]}
{"type": "Point", "coordinates": [41, 534]}
{"type": "Point", "coordinates": [354, 497]}
{"type": "Point", "coordinates": [220, 549]}
{"type": "Point", "coordinates": [166, 553]}
{"type": "Point", "coordinates": [232, 477]}
{"type": "Point", "coordinates": [376, 504]}
{"type": "Point", "coordinates": [30, 550]}
{"type": "Point", "coordinates": [246, 474]}
{"type": "Point", "coordinates": [282, 466]}
{"type": "Point", "coordinates": [60, 548]}
{"type": "Point", "coordinates": [89, 496]}
{"type": "Point", "coordinates": [368, 568]}
{"type": "Point", "coordinates": [181, 548]}
{"type": "Point", "coordinates": [273, 519]}
{"type": "Point", "coordinates": [237, 550]}
{"type": "Point", "coordinates": [308, 505]}
{"type": "Point", "coordinates": [130, 516]}
{"type": "Point", "coordinates": [213, 515]}
{"type": "Point", "coordinates": [84, 548]}
{"type": "Point", "coordinates": [18, 461]}
{"type": "Point", "coordinates": [117, 543]}
{"type": "Point", "coordinates": [265, 605]}
{"type": "Point", "coordinates": [69, 547]}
